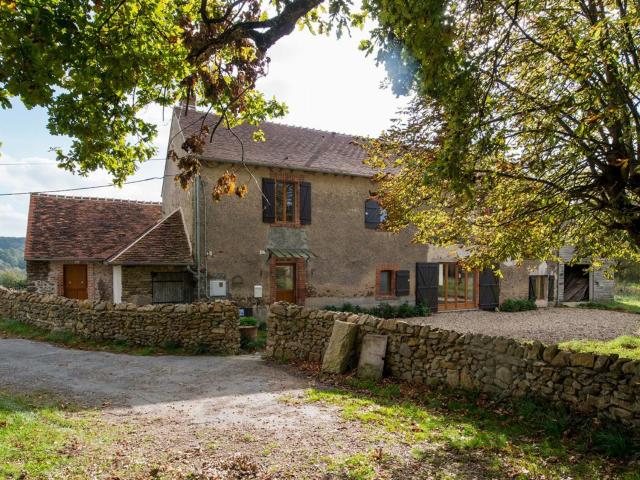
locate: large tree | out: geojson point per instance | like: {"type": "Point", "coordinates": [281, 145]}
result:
{"type": "Point", "coordinates": [95, 64]}
{"type": "Point", "coordinates": [525, 131]}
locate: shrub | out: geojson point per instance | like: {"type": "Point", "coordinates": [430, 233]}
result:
{"type": "Point", "coordinates": [16, 279]}
{"type": "Point", "coordinates": [248, 322]}
{"type": "Point", "coordinates": [384, 310]}
{"type": "Point", "coordinates": [517, 305]}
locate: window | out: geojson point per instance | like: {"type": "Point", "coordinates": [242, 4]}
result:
{"type": "Point", "coordinates": [386, 279]}
{"type": "Point", "coordinates": [537, 287]}
{"type": "Point", "coordinates": [286, 201]}
{"type": "Point", "coordinates": [374, 214]}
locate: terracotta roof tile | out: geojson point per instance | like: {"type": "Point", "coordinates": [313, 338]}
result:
{"type": "Point", "coordinates": [82, 228]}
{"type": "Point", "coordinates": [164, 243]}
{"type": "Point", "coordinates": [286, 146]}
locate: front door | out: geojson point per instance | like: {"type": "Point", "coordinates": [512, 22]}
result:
{"type": "Point", "coordinates": [75, 282]}
{"type": "Point", "coordinates": [286, 282]}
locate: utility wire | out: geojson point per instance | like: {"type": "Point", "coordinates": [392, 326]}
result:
{"type": "Point", "coordinates": [84, 188]}
{"type": "Point", "coordinates": [56, 163]}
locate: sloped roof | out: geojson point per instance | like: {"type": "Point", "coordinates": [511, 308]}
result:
{"type": "Point", "coordinates": [164, 243]}
{"type": "Point", "coordinates": [286, 146]}
{"type": "Point", "coordinates": [84, 228]}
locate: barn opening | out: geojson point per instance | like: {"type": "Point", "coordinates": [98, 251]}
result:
{"type": "Point", "coordinates": [576, 283]}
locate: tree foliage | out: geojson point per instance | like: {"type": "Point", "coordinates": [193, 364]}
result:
{"type": "Point", "coordinates": [11, 253]}
{"type": "Point", "coordinates": [94, 65]}
{"type": "Point", "coordinates": [525, 131]}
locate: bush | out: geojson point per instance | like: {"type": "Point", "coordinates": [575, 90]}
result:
{"type": "Point", "coordinates": [16, 279]}
{"type": "Point", "coordinates": [384, 310]}
{"type": "Point", "coordinates": [248, 321]}
{"type": "Point", "coordinates": [517, 305]}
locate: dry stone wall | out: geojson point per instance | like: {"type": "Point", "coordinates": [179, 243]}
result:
{"type": "Point", "coordinates": [604, 385]}
{"type": "Point", "coordinates": [200, 325]}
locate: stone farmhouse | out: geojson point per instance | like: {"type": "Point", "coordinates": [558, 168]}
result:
{"type": "Point", "coordinates": [308, 232]}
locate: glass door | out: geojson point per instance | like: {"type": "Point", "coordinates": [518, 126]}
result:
{"type": "Point", "coordinates": [457, 287]}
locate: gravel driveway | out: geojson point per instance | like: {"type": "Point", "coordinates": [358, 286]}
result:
{"type": "Point", "coordinates": [549, 325]}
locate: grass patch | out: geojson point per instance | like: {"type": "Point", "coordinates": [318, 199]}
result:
{"type": "Point", "coordinates": [43, 438]}
{"type": "Point", "coordinates": [497, 438]}
{"type": "Point", "coordinates": [619, 304]}
{"type": "Point", "coordinates": [626, 346]}
{"type": "Point", "coordinates": [16, 329]}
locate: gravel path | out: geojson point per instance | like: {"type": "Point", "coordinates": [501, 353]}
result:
{"type": "Point", "coordinates": [549, 325]}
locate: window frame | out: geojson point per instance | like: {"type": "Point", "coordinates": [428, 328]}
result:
{"type": "Point", "coordinates": [541, 287]}
{"type": "Point", "coordinates": [281, 184]}
{"type": "Point", "coordinates": [391, 294]}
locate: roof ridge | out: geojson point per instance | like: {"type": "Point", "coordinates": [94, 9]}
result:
{"type": "Point", "coordinates": [289, 125]}
{"type": "Point", "coordinates": [102, 199]}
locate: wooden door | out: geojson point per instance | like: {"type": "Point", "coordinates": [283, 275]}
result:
{"type": "Point", "coordinates": [75, 282]}
{"type": "Point", "coordinates": [286, 282]}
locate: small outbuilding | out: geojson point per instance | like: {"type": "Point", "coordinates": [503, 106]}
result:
{"type": "Point", "coordinates": [108, 250]}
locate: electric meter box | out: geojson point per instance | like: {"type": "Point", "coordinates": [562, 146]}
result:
{"type": "Point", "coordinates": [218, 288]}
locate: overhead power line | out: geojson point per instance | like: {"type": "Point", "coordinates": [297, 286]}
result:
{"type": "Point", "coordinates": [27, 164]}
{"type": "Point", "coordinates": [84, 188]}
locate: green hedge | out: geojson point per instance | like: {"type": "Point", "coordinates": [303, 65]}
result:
{"type": "Point", "coordinates": [384, 310]}
{"type": "Point", "coordinates": [519, 305]}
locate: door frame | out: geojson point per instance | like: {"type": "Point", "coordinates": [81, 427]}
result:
{"type": "Point", "coordinates": [455, 305]}
{"type": "Point", "coordinates": [299, 278]}
{"type": "Point", "coordinates": [82, 266]}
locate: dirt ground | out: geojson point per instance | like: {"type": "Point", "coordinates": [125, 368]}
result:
{"type": "Point", "coordinates": [186, 412]}
{"type": "Point", "coordinates": [549, 325]}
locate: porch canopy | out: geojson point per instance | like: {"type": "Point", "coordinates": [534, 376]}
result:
{"type": "Point", "coordinates": [291, 253]}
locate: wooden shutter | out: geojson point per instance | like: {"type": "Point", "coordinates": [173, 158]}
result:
{"type": "Point", "coordinates": [427, 285]}
{"type": "Point", "coordinates": [532, 288]}
{"type": "Point", "coordinates": [305, 203]}
{"type": "Point", "coordinates": [371, 214]}
{"type": "Point", "coordinates": [402, 283]}
{"type": "Point", "coordinates": [268, 200]}
{"type": "Point", "coordinates": [489, 290]}
{"type": "Point", "coordinates": [551, 295]}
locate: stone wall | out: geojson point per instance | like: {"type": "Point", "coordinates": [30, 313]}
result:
{"type": "Point", "coordinates": [137, 284]}
{"type": "Point", "coordinates": [595, 384]}
{"type": "Point", "coordinates": [211, 325]}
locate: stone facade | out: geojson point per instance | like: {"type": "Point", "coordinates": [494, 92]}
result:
{"type": "Point", "coordinates": [602, 385]}
{"type": "Point", "coordinates": [137, 285]}
{"type": "Point", "coordinates": [210, 325]}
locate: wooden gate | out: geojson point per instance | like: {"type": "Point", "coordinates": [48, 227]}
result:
{"type": "Point", "coordinates": [171, 287]}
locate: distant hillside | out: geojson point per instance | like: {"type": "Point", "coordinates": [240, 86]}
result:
{"type": "Point", "coordinates": [11, 253]}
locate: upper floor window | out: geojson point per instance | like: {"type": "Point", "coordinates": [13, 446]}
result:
{"type": "Point", "coordinates": [374, 214]}
{"type": "Point", "coordinates": [286, 201]}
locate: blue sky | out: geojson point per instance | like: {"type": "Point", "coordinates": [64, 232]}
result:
{"type": "Point", "coordinates": [327, 84]}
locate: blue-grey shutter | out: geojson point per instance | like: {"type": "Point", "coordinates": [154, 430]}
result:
{"type": "Point", "coordinates": [551, 295]}
{"type": "Point", "coordinates": [371, 214]}
{"type": "Point", "coordinates": [489, 290]}
{"type": "Point", "coordinates": [402, 283]}
{"type": "Point", "coordinates": [268, 200]}
{"type": "Point", "coordinates": [305, 203]}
